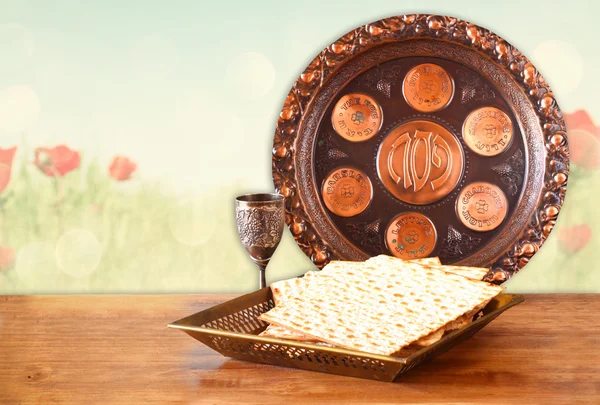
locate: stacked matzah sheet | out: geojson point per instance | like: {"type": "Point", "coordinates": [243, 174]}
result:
{"type": "Point", "coordinates": [378, 306]}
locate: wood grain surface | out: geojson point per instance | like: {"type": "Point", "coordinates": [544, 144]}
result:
{"type": "Point", "coordinates": [116, 349]}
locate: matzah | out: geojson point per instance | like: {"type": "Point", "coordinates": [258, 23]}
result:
{"type": "Point", "coordinates": [378, 308]}
{"type": "Point", "coordinates": [435, 261]}
{"type": "Point", "coordinates": [282, 332]}
{"type": "Point", "coordinates": [284, 288]}
{"type": "Point", "coordinates": [279, 288]}
{"type": "Point", "coordinates": [476, 273]}
{"type": "Point", "coordinates": [430, 339]}
{"type": "Point", "coordinates": [384, 262]}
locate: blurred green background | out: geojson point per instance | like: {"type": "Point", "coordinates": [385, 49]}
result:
{"type": "Point", "coordinates": [190, 91]}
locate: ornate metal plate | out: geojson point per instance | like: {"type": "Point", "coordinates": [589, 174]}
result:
{"type": "Point", "coordinates": [422, 135]}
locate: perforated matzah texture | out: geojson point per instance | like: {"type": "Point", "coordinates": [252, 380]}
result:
{"type": "Point", "coordinates": [282, 332]}
{"type": "Point", "coordinates": [476, 273]}
{"type": "Point", "coordinates": [377, 308]}
{"type": "Point", "coordinates": [284, 288]}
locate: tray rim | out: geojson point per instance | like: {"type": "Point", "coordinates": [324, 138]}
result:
{"type": "Point", "coordinates": [554, 175]}
{"type": "Point", "coordinates": [514, 299]}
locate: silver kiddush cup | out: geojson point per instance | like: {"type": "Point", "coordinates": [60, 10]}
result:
{"type": "Point", "coordinates": [260, 221]}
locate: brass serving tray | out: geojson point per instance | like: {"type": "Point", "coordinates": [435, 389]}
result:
{"type": "Point", "coordinates": [231, 329]}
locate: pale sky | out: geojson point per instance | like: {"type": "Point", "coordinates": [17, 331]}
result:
{"type": "Point", "coordinates": [192, 91]}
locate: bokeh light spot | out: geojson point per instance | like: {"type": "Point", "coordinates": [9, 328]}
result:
{"type": "Point", "coordinates": [19, 109]}
{"type": "Point", "coordinates": [250, 75]}
{"type": "Point", "coordinates": [78, 252]}
{"type": "Point", "coordinates": [192, 222]}
{"type": "Point", "coordinates": [36, 265]}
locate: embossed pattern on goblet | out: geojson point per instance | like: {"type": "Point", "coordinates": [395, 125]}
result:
{"type": "Point", "coordinates": [260, 220]}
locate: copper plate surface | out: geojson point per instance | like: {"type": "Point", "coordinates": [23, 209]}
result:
{"type": "Point", "coordinates": [411, 236]}
{"type": "Point", "coordinates": [481, 206]}
{"type": "Point", "coordinates": [356, 117]}
{"type": "Point", "coordinates": [428, 87]}
{"type": "Point", "coordinates": [347, 192]}
{"type": "Point", "coordinates": [422, 68]}
{"type": "Point", "coordinates": [420, 162]}
{"type": "Point", "coordinates": [488, 131]}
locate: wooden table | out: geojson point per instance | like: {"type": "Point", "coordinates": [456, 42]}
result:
{"type": "Point", "coordinates": [117, 350]}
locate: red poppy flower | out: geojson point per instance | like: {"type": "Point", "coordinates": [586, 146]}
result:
{"type": "Point", "coordinates": [57, 161]}
{"type": "Point", "coordinates": [584, 140]}
{"type": "Point", "coordinates": [575, 238]}
{"type": "Point", "coordinates": [6, 160]}
{"type": "Point", "coordinates": [121, 168]}
{"type": "Point", "coordinates": [7, 258]}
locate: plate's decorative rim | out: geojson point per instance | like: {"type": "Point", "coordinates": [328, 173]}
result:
{"type": "Point", "coordinates": [413, 26]}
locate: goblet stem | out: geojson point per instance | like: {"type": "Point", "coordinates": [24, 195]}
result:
{"type": "Point", "coordinates": [262, 266]}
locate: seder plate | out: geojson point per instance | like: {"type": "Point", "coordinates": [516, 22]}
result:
{"type": "Point", "coordinates": [417, 136]}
